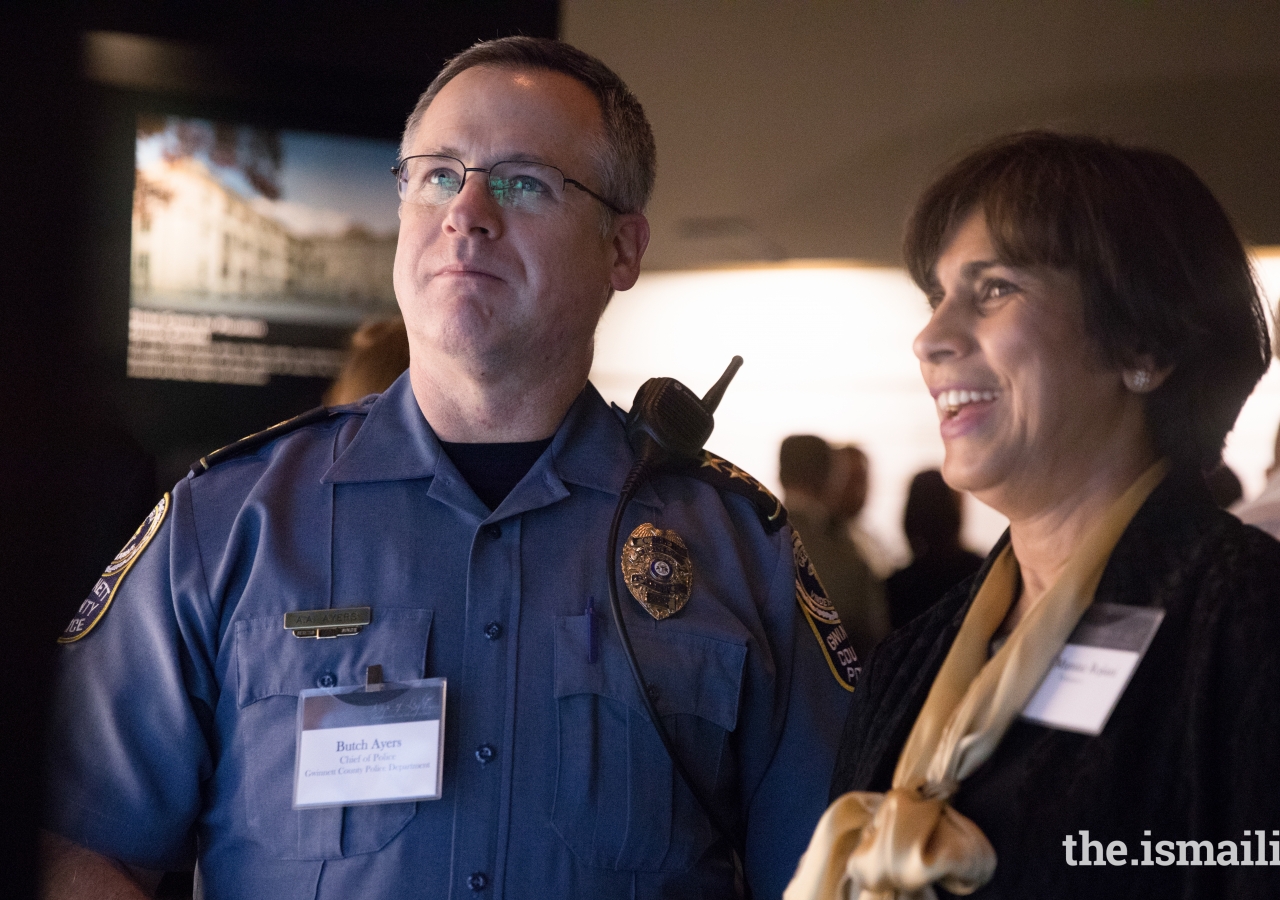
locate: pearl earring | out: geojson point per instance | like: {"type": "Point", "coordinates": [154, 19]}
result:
{"type": "Point", "coordinates": [1137, 380]}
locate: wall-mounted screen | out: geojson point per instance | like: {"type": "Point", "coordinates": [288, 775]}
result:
{"type": "Point", "coordinates": [255, 251]}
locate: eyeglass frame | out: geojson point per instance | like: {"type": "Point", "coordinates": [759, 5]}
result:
{"type": "Point", "coordinates": [395, 170]}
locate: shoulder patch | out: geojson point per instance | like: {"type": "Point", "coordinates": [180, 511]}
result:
{"type": "Point", "coordinates": [257, 439]}
{"type": "Point", "coordinates": [725, 476]}
{"type": "Point", "coordinates": [95, 606]}
{"type": "Point", "coordinates": [823, 619]}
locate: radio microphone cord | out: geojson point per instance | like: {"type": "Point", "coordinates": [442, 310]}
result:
{"type": "Point", "coordinates": [667, 423]}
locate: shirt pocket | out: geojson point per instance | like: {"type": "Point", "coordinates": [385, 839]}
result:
{"type": "Point", "coordinates": [273, 668]}
{"type": "Point", "coordinates": [618, 802]}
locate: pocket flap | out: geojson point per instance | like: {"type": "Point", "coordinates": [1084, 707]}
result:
{"type": "Point", "coordinates": [271, 661]}
{"type": "Point", "coordinates": [687, 673]}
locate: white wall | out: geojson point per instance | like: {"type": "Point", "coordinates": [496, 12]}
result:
{"type": "Point", "coordinates": [1249, 446]}
{"type": "Point", "coordinates": [828, 352]}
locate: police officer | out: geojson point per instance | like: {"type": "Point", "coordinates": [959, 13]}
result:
{"type": "Point", "coordinates": [467, 508]}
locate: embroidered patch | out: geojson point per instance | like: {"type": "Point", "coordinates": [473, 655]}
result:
{"type": "Point", "coordinates": [95, 606]}
{"type": "Point", "coordinates": [823, 619]}
{"type": "Point", "coordinates": [657, 570]}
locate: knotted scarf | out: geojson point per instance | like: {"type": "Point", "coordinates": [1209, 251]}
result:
{"type": "Point", "coordinates": [897, 845]}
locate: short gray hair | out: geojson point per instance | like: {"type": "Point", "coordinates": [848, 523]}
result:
{"type": "Point", "coordinates": [626, 161]}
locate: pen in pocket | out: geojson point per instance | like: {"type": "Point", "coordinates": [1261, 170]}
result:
{"type": "Point", "coordinates": [591, 630]}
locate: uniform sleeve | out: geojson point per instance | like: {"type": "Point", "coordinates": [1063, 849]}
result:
{"type": "Point", "coordinates": [809, 706]}
{"type": "Point", "coordinates": [129, 740]}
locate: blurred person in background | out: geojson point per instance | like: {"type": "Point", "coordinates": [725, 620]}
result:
{"type": "Point", "coordinates": [1095, 330]}
{"type": "Point", "coordinates": [379, 354]}
{"type": "Point", "coordinates": [932, 521]}
{"type": "Point", "coordinates": [1263, 511]}
{"type": "Point", "coordinates": [805, 470]}
{"type": "Point", "coordinates": [847, 497]}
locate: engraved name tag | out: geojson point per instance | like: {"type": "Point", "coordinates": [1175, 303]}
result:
{"type": "Point", "coordinates": [328, 623]}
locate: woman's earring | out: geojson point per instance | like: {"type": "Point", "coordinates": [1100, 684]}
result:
{"type": "Point", "coordinates": [1137, 380]}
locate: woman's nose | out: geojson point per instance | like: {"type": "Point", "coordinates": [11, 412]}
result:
{"type": "Point", "coordinates": [946, 335]}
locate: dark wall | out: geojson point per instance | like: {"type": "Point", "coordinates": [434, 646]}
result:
{"type": "Point", "coordinates": [339, 67]}
{"type": "Point", "coordinates": [77, 458]}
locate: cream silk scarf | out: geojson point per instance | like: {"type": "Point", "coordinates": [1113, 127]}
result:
{"type": "Point", "coordinates": [896, 845]}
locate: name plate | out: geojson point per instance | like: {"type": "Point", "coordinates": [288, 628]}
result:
{"type": "Point", "coordinates": [379, 743]}
{"type": "Point", "coordinates": [328, 623]}
{"type": "Point", "coordinates": [1090, 674]}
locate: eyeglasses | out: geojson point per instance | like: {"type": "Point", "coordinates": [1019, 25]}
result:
{"type": "Point", "coordinates": [526, 186]}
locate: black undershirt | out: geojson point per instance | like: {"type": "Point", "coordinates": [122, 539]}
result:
{"type": "Point", "coordinates": [493, 470]}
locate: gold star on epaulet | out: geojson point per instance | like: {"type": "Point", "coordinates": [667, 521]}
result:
{"type": "Point", "coordinates": [725, 476]}
{"type": "Point", "coordinates": [710, 460]}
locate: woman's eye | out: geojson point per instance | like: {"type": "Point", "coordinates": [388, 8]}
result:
{"type": "Point", "coordinates": [996, 288]}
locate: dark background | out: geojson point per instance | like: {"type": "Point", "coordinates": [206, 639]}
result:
{"type": "Point", "coordinates": [77, 458]}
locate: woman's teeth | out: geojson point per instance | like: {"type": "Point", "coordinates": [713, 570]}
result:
{"type": "Point", "coordinates": [949, 402]}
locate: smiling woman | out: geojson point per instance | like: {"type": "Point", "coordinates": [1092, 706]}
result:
{"type": "Point", "coordinates": [1095, 331]}
{"type": "Point", "coordinates": [1029, 409]}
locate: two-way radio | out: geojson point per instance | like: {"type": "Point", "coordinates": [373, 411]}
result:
{"type": "Point", "coordinates": [668, 424]}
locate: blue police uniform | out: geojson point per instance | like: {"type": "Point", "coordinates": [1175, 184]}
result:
{"type": "Point", "coordinates": [174, 730]}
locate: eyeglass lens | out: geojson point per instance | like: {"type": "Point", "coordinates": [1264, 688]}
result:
{"type": "Point", "coordinates": [435, 180]}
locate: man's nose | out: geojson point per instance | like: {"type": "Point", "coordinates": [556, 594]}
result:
{"type": "Point", "coordinates": [474, 211]}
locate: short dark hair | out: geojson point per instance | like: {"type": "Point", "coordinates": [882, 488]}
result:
{"type": "Point", "coordinates": [1161, 268]}
{"type": "Point", "coordinates": [626, 162]}
{"type": "Point", "coordinates": [804, 462]}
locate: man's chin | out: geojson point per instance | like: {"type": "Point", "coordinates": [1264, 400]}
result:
{"type": "Point", "coordinates": [477, 351]}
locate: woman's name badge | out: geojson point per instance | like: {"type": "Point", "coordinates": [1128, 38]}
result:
{"type": "Point", "coordinates": [1094, 668]}
{"type": "Point", "coordinates": [379, 743]}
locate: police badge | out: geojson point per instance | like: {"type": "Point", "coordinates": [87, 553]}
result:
{"type": "Point", "coordinates": [657, 570]}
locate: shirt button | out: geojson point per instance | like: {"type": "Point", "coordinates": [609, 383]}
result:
{"type": "Point", "coordinates": [492, 631]}
{"type": "Point", "coordinates": [653, 692]}
{"type": "Point", "coordinates": [485, 753]}
{"type": "Point", "coordinates": [327, 680]}
{"type": "Point", "coordinates": [493, 531]}
{"type": "Point", "coordinates": [477, 881]}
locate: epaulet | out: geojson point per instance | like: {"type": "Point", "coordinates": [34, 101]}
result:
{"type": "Point", "coordinates": [256, 440]}
{"type": "Point", "coordinates": [725, 476]}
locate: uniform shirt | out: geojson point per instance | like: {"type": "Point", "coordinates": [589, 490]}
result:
{"type": "Point", "coordinates": [175, 726]}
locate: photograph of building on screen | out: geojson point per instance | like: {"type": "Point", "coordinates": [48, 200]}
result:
{"type": "Point", "coordinates": [242, 235]}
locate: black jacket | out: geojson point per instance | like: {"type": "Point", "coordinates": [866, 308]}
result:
{"type": "Point", "coordinates": [1192, 749]}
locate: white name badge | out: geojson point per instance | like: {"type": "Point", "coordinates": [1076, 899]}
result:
{"type": "Point", "coordinates": [376, 744]}
{"type": "Point", "coordinates": [1090, 674]}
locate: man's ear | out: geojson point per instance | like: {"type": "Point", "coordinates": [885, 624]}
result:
{"type": "Point", "coordinates": [630, 238]}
